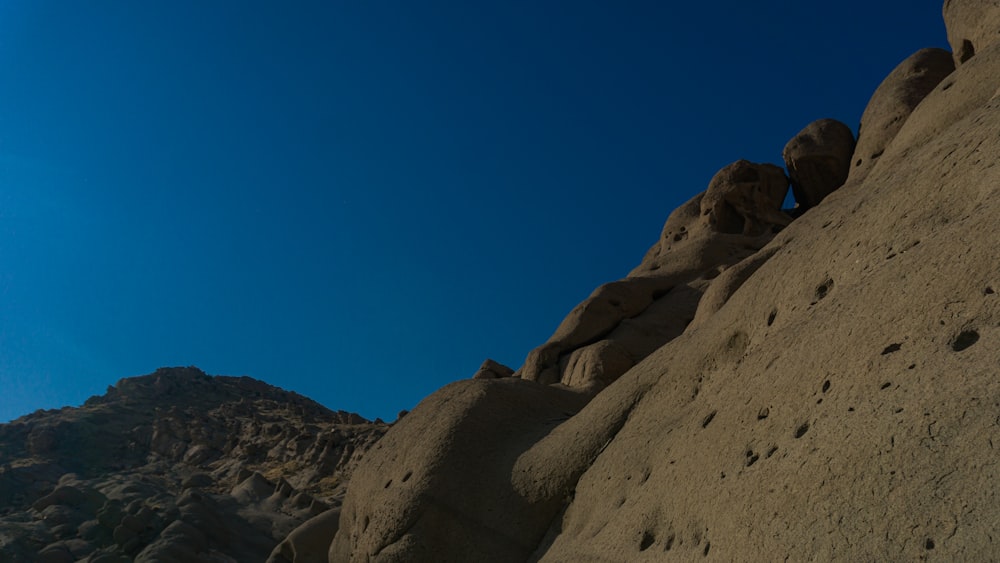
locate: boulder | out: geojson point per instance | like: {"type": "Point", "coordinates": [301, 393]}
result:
{"type": "Point", "coordinates": [818, 160]}
{"type": "Point", "coordinates": [438, 486]}
{"type": "Point", "coordinates": [310, 542]}
{"type": "Point", "coordinates": [745, 198]}
{"type": "Point", "coordinates": [492, 370]}
{"type": "Point", "coordinates": [972, 26]}
{"type": "Point", "coordinates": [596, 366]}
{"type": "Point", "coordinates": [893, 102]}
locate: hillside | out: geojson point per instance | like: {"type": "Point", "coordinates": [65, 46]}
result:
{"type": "Point", "coordinates": [173, 466]}
{"type": "Point", "coordinates": [809, 384]}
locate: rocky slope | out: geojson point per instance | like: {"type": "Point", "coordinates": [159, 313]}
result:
{"type": "Point", "coordinates": [758, 388]}
{"type": "Point", "coordinates": [174, 466]}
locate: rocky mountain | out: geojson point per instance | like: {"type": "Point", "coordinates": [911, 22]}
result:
{"type": "Point", "coordinates": [816, 384]}
{"type": "Point", "coordinates": [173, 466]}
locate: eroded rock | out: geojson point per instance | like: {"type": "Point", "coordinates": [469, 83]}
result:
{"type": "Point", "coordinates": [893, 102]}
{"type": "Point", "coordinates": [818, 160]}
{"type": "Point", "coordinates": [972, 26]}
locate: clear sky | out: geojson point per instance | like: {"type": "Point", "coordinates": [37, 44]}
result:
{"type": "Point", "coordinates": [362, 200]}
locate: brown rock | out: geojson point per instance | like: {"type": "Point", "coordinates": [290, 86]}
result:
{"type": "Point", "coordinates": [818, 160]}
{"type": "Point", "coordinates": [893, 102]}
{"type": "Point", "coordinates": [310, 542]}
{"type": "Point", "coordinates": [745, 198]}
{"type": "Point", "coordinates": [451, 498]}
{"type": "Point", "coordinates": [596, 366]}
{"type": "Point", "coordinates": [492, 370]}
{"type": "Point", "coordinates": [972, 26]}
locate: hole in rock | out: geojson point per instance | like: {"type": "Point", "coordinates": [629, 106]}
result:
{"type": "Point", "coordinates": [762, 413]}
{"type": "Point", "coordinates": [771, 317]}
{"type": "Point", "coordinates": [388, 484]}
{"type": "Point", "coordinates": [824, 289]}
{"type": "Point", "coordinates": [669, 544]}
{"type": "Point", "coordinates": [752, 458]}
{"type": "Point", "coordinates": [929, 544]}
{"type": "Point", "coordinates": [878, 154]}
{"type": "Point", "coordinates": [894, 347]}
{"type": "Point", "coordinates": [966, 51]}
{"type": "Point", "coordinates": [826, 385]}
{"type": "Point", "coordinates": [964, 340]}
{"type": "Point", "coordinates": [858, 163]}
{"type": "Point", "coordinates": [708, 419]}
{"type": "Point", "coordinates": [407, 476]}
{"type": "Point", "coordinates": [885, 385]}
{"type": "Point", "coordinates": [647, 541]}
{"type": "Point", "coordinates": [707, 547]}
{"type": "Point", "coordinates": [911, 366]}
{"type": "Point", "coordinates": [801, 430]}
{"type": "Point", "coordinates": [771, 451]}
{"type": "Point", "coordinates": [988, 291]}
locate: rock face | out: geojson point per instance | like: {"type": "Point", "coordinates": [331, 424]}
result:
{"type": "Point", "coordinates": [818, 160]}
{"type": "Point", "coordinates": [624, 321]}
{"type": "Point", "coordinates": [893, 102]}
{"type": "Point", "coordinates": [972, 26]}
{"type": "Point", "coordinates": [173, 466]}
{"type": "Point", "coordinates": [829, 393]}
{"type": "Point", "coordinates": [485, 466]}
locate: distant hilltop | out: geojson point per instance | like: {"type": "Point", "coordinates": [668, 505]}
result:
{"type": "Point", "coordinates": [176, 465]}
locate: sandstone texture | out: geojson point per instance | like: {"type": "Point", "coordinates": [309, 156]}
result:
{"type": "Point", "coordinates": [175, 466]}
{"type": "Point", "coordinates": [893, 102]}
{"type": "Point", "coordinates": [757, 388]}
{"type": "Point", "coordinates": [972, 26]}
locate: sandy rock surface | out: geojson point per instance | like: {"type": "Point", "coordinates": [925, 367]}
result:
{"type": "Point", "coordinates": [830, 393]}
{"type": "Point", "coordinates": [893, 102]}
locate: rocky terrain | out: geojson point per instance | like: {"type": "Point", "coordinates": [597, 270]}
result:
{"type": "Point", "coordinates": [816, 383]}
{"type": "Point", "coordinates": [174, 466]}
{"type": "Point", "coordinates": [810, 384]}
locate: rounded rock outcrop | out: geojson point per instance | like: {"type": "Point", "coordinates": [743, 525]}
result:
{"type": "Point", "coordinates": [745, 198]}
{"type": "Point", "coordinates": [893, 102]}
{"type": "Point", "coordinates": [972, 26]}
{"type": "Point", "coordinates": [818, 160]}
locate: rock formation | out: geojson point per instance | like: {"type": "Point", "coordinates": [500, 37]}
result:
{"type": "Point", "coordinates": [892, 103]}
{"type": "Point", "coordinates": [757, 388]}
{"type": "Point", "coordinates": [174, 466]}
{"type": "Point", "coordinates": [818, 160]}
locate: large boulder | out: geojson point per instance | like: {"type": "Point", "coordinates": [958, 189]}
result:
{"type": "Point", "coordinates": [745, 198]}
{"type": "Point", "coordinates": [818, 160]}
{"type": "Point", "coordinates": [440, 486]}
{"type": "Point", "coordinates": [972, 26]}
{"type": "Point", "coordinates": [893, 102]}
{"type": "Point", "coordinates": [624, 321]}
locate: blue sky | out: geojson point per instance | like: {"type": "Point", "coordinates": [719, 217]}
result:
{"type": "Point", "coordinates": [361, 201]}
